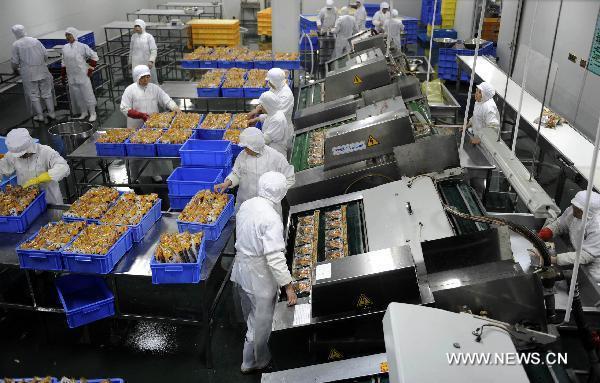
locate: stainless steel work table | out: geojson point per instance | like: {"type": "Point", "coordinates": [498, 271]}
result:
{"type": "Point", "coordinates": [204, 5]}
{"type": "Point", "coordinates": [164, 13]}
{"type": "Point", "coordinates": [186, 91]}
{"type": "Point", "coordinates": [135, 296]}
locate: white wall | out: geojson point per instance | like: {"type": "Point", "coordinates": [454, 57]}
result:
{"type": "Point", "coordinates": [410, 8]}
{"type": "Point", "coordinates": [575, 35]}
{"type": "Point", "coordinates": [463, 20]}
{"type": "Point", "coordinates": [43, 16]}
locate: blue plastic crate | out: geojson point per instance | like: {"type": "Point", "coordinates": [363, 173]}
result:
{"type": "Point", "coordinates": [140, 150]}
{"type": "Point", "coordinates": [371, 8]}
{"type": "Point", "coordinates": [110, 150]}
{"type": "Point", "coordinates": [39, 259]}
{"type": "Point", "coordinates": [12, 180]}
{"type": "Point", "coordinates": [236, 150]}
{"type": "Point", "coordinates": [244, 64]}
{"type": "Point", "coordinates": [254, 92]}
{"type": "Point", "coordinates": [208, 92]}
{"type": "Point", "coordinates": [85, 299]}
{"type": "Point", "coordinates": [212, 232]}
{"type": "Point", "coordinates": [232, 92]}
{"type": "Point", "coordinates": [207, 153]}
{"type": "Point", "coordinates": [98, 264]}
{"type": "Point", "coordinates": [177, 202]}
{"type": "Point", "coordinates": [451, 33]}
{"type": "Point", "coordinates": [263, 64]}
{"type": "Point", "coordinates": [190, 64]}
{"type": "Point", "coordinates": [170, 273]}
{"type": "Point", "coordinates": [20, 223]}
{"type": "Point", "coordinates": [287, 64]}
{"type": "Point", "coordinates": [3, 148]}
{"type": "Point", "coordinates": [226, 64]}
{"type": "Point", "coordinates": [208, 64]}
{"type": "Point", "coordinates": [208, 134]}
{"type": "Point", "coordinates": [137, 232]}
{"type": "Point", "coordinates": [167, 150]}
{"type": "Point", "coordinates": [188, 181]}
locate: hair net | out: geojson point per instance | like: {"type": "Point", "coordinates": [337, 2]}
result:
{"type": "Point", "coordinates": [329, 3]}
{"type": "Point", "coordinates": [384, 5]}
{"type": "Point", "coordinates": [141, 23]}
{"type": "Point", "coordinates": [18, 30]}
{"type": "Point", "coordinates": [487, 91]}
{"type": "Point", "coordinates": [276, 76]}
{"type": "Point", "coordinates": [344, 11]}
{"type": "Point", "coordinates": [272, 186]}
{"type": "Point", "coordinates": [139, 71]}
{"type": "Point", "coordinates": [18, 141]}
{"type": "Point", "coordinates": [73, 31]}
{"type": "Point", "coordinates": [394, 13]}
{"type": "Point", "coordinates": [579, 201]}
{"type": "Point", "coordinates": [253, 139]}
{"type": "Point", "coordinates": [269, 101]}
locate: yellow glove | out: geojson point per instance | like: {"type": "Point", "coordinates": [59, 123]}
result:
{"type": "Point", "coordinates": [42, 178]}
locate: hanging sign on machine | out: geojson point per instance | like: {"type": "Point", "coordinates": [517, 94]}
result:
{"type": "Point", "coordinates": [594, 59]}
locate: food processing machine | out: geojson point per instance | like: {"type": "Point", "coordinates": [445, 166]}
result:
{"type": "Point", "coordinates": [394, 243]}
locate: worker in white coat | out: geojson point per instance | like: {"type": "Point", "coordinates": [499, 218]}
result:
{"type": "Point", "coordinates": [326, 17]}
{"type": "Point", "coordinates": [570, 222]}
{"type": "Point", "coordinates": [142, 49]}
{"type": "Point", "coordinates": [253, 162]}
{"type": "Point", "coordinates": [485, 112]}
{"type": "Point", "coordinates": [278, 84]}
{"type": "Point", "coordinates": [35, 164]}
{"type": "Point", "coordinates": [345, 27]}
{"type": "Point", "coordinates": [29, 60]}
{"type": "Point", "coordinates": [381, 16]}
{"type": "Point", "coordinates": [394, 28]}
{"type": "Point", "coordinates": [142, 98]}
{"type": "Point", "coordinates": [275, 127]}
{"type": "Point", "coordinates": [78, 63]}
{"type": "Point", "coordinates": [259, 268]}
{"type": "Point", "coordinates": [360, 16]}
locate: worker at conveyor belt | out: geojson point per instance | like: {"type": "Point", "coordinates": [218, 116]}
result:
{"type": "Point", "coordinates": [485, 112]}
{"type": "Point", "coordinates": [29, 59]}
{"type": "Point", "coordinates": [360, 15]}
{"type": "Point", "coordinates": [253, 162]}
{"type": "Point", "coordinates": [278, 84]}
{"type": "Point", "coordinates": [570, 222]}
{"type": "Point", "coordinates": [345, 27]}
{"type": "Point", "coordinates": [78, 63]}
{"type": "Point", "coordinates": [394, 28]}
{"type": "Point", "coordinates": [381, 16]}
{"type": "Point", "coordinates": [260, 268]}
{"type": "Point", "coordinates": [276, 131]}
{"type": "Point", "coordinates": [142, 49]}
{"type": "Point", "coordinates": [35, 164]}
{"type": "Point", "coordinates": [326, 17]}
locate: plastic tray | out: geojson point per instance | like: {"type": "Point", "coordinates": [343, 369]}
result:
{"type": "Point", "coordinates": [40, 259]}
{"type": "Point", "coordinates": [232, 92]}
{"type": "Point", "coordinates": [85, 299]}
{"type": "Point", "coordinates": [208, 92]}
{"type": "Point", "coordinates": [169, 273]}
{"type": "Point", "coordinates": [188, 181]}
{"type": "Point", "coordinates": [111, 150]}
{"type": "Point", "coordinates": [254, 92]}
{"type": "Point", "coordinates": [12, 180]}
{"type": "Point", "coordinates": [20, 223]}
{"type": "Point", "coordinates": [212, 231]}
{"type": "Point", "coordinates": [207, 153]}
{"type": "Point", "coordinates": [140, 150]}
{"type": "Point", "coordinates": [168, 150]}
{"type": "Point", "coordinates": [287, 64]}
{"type": "Point", "coordinates": [208, 134]}
{"type": "Point", "coordinates": [98, 264]}
{"type": "Point", "coordinates": [139, 231]}
{"type": "Point", "coordinates": [177, 202]}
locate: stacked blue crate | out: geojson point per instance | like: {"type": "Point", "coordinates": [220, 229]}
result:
{"type": "Point", "coordinates": [427, 12]}
{"type": "Point", "coordinates": [447, 65]}
{"type": "Point", "coordinates": [411, 27]}
{"type": "Point", "coordinates": [307, 27]}
{"type": "Point", "coordinates": [371, 9]}
{"type": "Point", "coordinates": [87, 39]}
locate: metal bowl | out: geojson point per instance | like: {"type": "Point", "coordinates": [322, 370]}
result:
{"type": "Point", "coordinates": [445, 42]}
{"type": "Point", "coordinates": [71, 134]}
{"type": "Point", "coordinates": [190, 10]}
{"type": "Point", "coordinates": [413, 64]}
{"type": "Point", "coordinates": [472, 43]}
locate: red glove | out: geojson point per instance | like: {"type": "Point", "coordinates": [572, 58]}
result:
{"type": "Point", "coordinates": [546, 234]}
{"type": "Point", "coordinates": [63, 74]}
{"type": "Point", "coordinates": [132, 113]}
{"type": "Point", "coordinates": [92, 63]}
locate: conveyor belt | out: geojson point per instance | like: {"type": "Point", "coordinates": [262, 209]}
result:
{"type": "Point", "coordinates": [460, 196]}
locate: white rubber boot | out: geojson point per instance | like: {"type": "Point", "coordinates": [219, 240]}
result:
{"type": "Point", "coordinates": [93, 116]}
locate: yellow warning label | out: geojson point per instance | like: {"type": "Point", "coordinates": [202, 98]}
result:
{"type": "Point", "coordinates": [363, 301]}
{"type": "Point", "coordinates": [335, 354]}
{"type": "Point", "coordinates": [357, 80]}
{"type": "Point", "coordinates": [372, 141]}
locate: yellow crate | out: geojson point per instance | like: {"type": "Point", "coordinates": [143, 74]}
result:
{"type": "Point", "coordinates": [214, 23]}
{"type": "Point", "coordinates": [209, 33]}
{"type": "Point", "coordinates": [429, 29]}
{"type": "Point", "coordinates": [216, 41]}
{"type": "Point", "coordinates": [266, 11]}
{"type": "Point", "coordinates": [448, 24]}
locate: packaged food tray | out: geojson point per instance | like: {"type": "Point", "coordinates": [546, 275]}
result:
{"type": "Point", "coordinates": [139, 231]}
{"type": "Point", "coordinates": [40, 259]}
{"type": "Point", "coordinates": [110, 150]}
{"type": "Point", "coordinates": [98, 264]}
{"type": "Point", "coordinates": [20, 223]}
{"type": "Point", "coordinates": [211, 231]}
{"type": "Point", "coordinates": [170, 273]}
{"type": "Point", "coordinates": [12, 180]}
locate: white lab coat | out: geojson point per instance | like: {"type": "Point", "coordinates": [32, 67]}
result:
{"type": "Point", "coordinates": [259, 269]}
{"type": "Point", "coordinates": [146, 100]}
{"type": "Point", "coordinates": [74, 59]}
{"type": "Point", "coordinates": [394, 32]}
{"type": "Point", "coordinates": [345, 27]}
{"type": "Point", "coordinates": [485, 115]}
{"type": "Point", "coordinates": [326, 19]}
{"type": "Point", "coordinates": [44, 159]}
{"type": "Point", "coordinates": [142, 49]}
{"type": "Point", "coordinates": [277, 133]}
{"type": "Point", "coordinates": [29, 55]}
{"type": "Point", "coordinates": [286, 100]}
{"type": "Point", "coordinates": [360, 16]}
{"type": "Point", "coordinates": [590, 251]}
{"type": "Point", "coordinates": [379, 19]}
{"type": "Point", "coordinates": [247, 170]}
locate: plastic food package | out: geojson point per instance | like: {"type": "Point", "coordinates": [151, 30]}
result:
{"type": "Point", "coordinates": [160, 120]}
{"type": "Point", "coordinates": [239, 121]}
{"type": "Point", "coordinates": [178, 247]}
{"type": "Point", "coordinates": [175, 136]}
{"type": "Point", "coordinates": [186, 121]}
{"type": "Point", "coordinates": [216, 121]}
{"type": "Point", "coordinates": [145, 136]}
{"type": "Point", "coordinates": [97, 239]}
{"type": "Point", "coordinates": [93, 204]}
{"type": "Point", "coordinates": [433, 91]}
{"type": "Point", "coordinates": [115, 136]}
{"type": "Point", "coordinates": [204, 207]}
{"type": "Point", "coordinates": [54, 236]}
{"type": "Point", "coordinates": [232, 135]}
{"type": "Point", "coordinates": [14, 199]}
{"type": "Point", "coordinates": [130, 209]}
